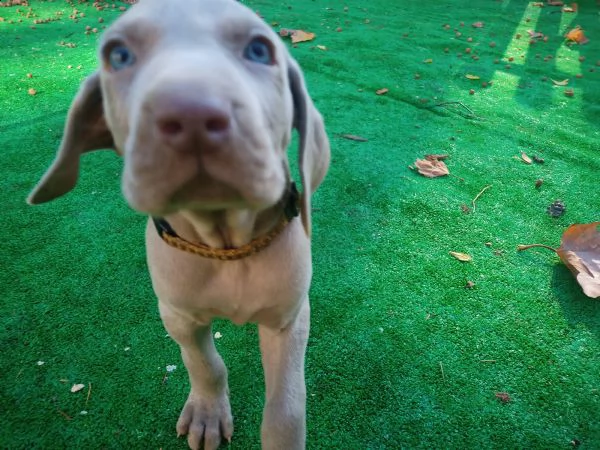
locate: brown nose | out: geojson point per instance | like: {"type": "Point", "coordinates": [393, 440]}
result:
{"type": "Point", "coordinates": [185, 122]}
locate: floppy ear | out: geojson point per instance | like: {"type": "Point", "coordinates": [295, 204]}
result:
{"type": "Point", "coordinates": [314, 152]}
{"type": "Point", "coordinates": [85, 130]}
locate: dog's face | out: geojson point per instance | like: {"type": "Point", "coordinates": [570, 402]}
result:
{"type": "Point", "coordinates": [201, 111]}
{"type": "Point", "coordinates": [199, 97]}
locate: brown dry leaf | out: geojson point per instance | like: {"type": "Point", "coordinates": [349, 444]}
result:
{"type": "Point", "coordinates": [580, 251]}
{"type": "Point", "coordinates": [438, 156]}
{"type": "Point", "coordinates": [32, 91]}
{"type": "Point", "coordinates": [77, 387]}
{"type": "Point", "coordinates": [302, 36]}
{"type": "Point", "coordinates": [526, 158]}
{"type": "Point", "coordinates": [382, 91]}
{"type": "Point", "coordinates": [560, 83]}
{"type": "Point", "coordinates": [297, 35]}
{"type": "Point", "coordinates": [462, 256]}
{"type": "Point", "coordinates": [431, 168]}
{"type": "Point", "coordinates": [472, 77]}
{"type": "Point", "coordinates": [503, 397]}
{"type": "Point", "coordinates": [576, 35]}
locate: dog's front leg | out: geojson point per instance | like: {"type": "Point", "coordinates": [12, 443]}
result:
{"type": "Point", "coordinates": [284, 421]}
{"type": "Point", "coordinates": [206, 415]}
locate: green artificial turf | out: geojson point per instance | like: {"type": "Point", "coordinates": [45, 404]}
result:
{"type": "Point", "coordinates": [401, 353]}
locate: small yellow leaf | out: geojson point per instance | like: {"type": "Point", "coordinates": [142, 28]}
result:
{"type": "Point", "coordinates": [461, 256]}
{"type": "Point", "coordinates": [302, 36]}
{"type": "Point", "coordinates": [472, 77]}
{"type": "Point", "coordinates": [560, 83]}
{"type": "Point", "coordinates": [77, 387]}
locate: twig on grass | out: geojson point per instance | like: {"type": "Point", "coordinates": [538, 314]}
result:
{"type": "Point", "coordinates": [479, 195]}
{"type": "Point", "coordinates": [470, 114]}
{"type": "Point", "coordinates": [352, 137]}
{"type": "Point", "coordinates": [442, 369]}
{"type": "Point", "coordinates": [64, 414]}
{"type": "Point", "coordinates": [88, 394]}
{"type": "Point", "coordinates": [525, 247]}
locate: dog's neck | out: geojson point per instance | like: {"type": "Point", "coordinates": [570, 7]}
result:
{"type": "Point", "coordinates": [224, 229]}
{"type": "Point", "coordinates": [230, 233]}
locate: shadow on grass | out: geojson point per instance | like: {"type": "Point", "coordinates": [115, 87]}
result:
{"type": "Point", "coordinates": [578, 309]}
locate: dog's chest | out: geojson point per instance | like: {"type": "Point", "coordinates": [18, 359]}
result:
{"type": "Point", "coordinates": [265, 288]}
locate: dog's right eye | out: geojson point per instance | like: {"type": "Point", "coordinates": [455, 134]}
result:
{"type": "Point", "coordinates": [120, 57]}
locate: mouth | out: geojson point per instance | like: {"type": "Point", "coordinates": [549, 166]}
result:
{"type": "Point", "coordinates": [200, 193]}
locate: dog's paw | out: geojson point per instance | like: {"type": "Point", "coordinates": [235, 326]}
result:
{"type": "Point", "coordinates": [206, 422]}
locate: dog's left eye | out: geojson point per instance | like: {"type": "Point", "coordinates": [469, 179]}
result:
{"type": "Point", "coordinates": [260, 50]}
{"type": "Point", "coordinates": [120, 57]}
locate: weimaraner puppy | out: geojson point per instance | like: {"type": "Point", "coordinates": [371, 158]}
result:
{"type": "Point", "coordinates": [200, 98]}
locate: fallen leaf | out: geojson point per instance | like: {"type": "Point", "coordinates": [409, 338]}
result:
{"type": "Point", "coordinates": [478, 25]}
{"type": "Point", "coordinates": [302, 36]}
{"type": "Point", "coordinates": [428, 61]}
{"type": "Point", "coordinates": [77, 387]}
{"type": "Point", "coordinates": [431, 168]}
{"type": "Point", "coordinates": [438, 157]}
{"type": "Point", "coordinates": [382, 91]}
{"type": "Point", "coordinates": [461, 256]}
{"type": "Point", "coordinates": [503, 397]}
{"type": "Point", "coordinates": [297, 35]}
{"type": "Point", "coordinates": [32, 91]}
{"type": "Point", "coordinates": [576, 35]}
{"type": "Point", "coordinates": [560, 83]}
{"type": "Point", "coordinates": [353, 137]}
{"type": "Point", "coordinates": [472, 77]}
{"type": "Point", "coordinates": [322, 47]}
{"type": "Point", "coordinates": [535, 34]}
{"type": "Point", "coordinates": [580, 251]}
{"type": "Point", "coordinates": [526, 158]}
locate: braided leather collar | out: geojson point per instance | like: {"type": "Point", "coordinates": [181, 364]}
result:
{"type": "Point", "coordinates": [167, 234]}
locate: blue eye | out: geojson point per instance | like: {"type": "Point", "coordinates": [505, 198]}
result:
{"type": "Point", "coordinates": [120, 57]}
{"type": "Point", "coordinates": [260, 51]}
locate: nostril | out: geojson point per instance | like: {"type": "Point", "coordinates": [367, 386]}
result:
{"type": "Point", "coordinates": [170, 127]}
{"type": "Point", "coordinates": [217, 124]}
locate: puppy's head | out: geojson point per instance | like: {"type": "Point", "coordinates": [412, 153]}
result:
{"type": "Point", "coordinates": [199, 97]}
